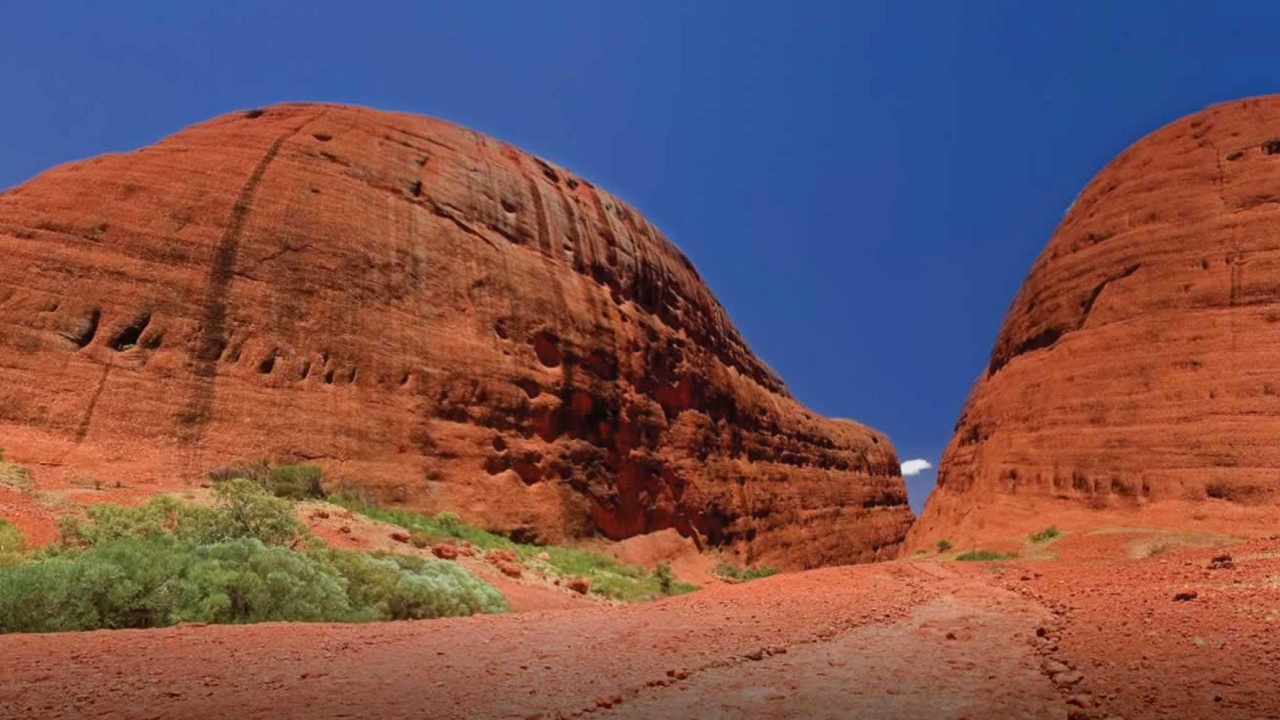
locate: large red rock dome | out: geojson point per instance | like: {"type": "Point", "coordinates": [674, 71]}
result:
{"type": "Point", "coordinates": [1137, 374]}
{"type": "Point", "coordinates": [430, 314]}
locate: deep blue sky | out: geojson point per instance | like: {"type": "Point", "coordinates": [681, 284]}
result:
{"type": "Point", "coordinates": [863, 184]}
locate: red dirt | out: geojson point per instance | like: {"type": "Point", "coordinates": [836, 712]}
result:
{"type": "Point", "coordinates": [434, 316]}
{"type": "Point", "coordinates": [906, 639]}
{"type": "Point", "coordinates": [1135, 370]}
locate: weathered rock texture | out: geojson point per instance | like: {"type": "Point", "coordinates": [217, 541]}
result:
{"type": "Point", "coordinates": [1139, 365]}
{"type": "Point", "coordinates": [434, 316]}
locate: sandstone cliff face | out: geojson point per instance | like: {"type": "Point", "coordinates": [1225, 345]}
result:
{"type": "Point", "coordinates": [1139, 365]}
{"type": "Point", "coordinates": [432, 315]}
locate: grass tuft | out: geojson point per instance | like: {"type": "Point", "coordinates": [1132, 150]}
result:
{"type": "Point", "coordinates": [732, 572]}
{"type": "Point", "coordinates": [985, 556]}
{"type": "Point", "coordinates": [1050, 533]}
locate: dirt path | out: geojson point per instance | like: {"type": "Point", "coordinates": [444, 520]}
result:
{"type": "Point", "coordinates": [966, 653]}
{"type": "Point", "coordinates": [896, 640]}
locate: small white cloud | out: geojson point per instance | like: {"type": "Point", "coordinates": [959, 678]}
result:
{"type": "Point", "coordinates": [911, 468]}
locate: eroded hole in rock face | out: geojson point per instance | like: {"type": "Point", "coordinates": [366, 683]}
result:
{"type": "Point", "coordinates": [87, 329]}
{"type": "Point", "coordinates": [603, 364]}
{"type": "Point", "coordinates": [496, 464]}
{"type": "Point", "coordinates": [500, 328]}
{"type": "Point", "coordinates": [351, 376]}
{"type": "Point", "coordinates": [127, 337]}
{"type": "Point", "coordinates": [328, 377]}
{"type": "Point", "coordinates": [415, 189]}
{"type": "Point", "coordinates": [404, 378]}
{"type": "Point", "coordinates": [528, 469]}
{"type": "Point", "coordinates": [547, 347]}
{"type": "Point", "coordinates": [268, 363]}
{"type": "Point", "coordinates": [253, 114]}
{"type": "Point", "coordinates": [1271, 147]}
{"type": "Point", "coordinates": [322, 137]}
{"type": "Point", "coordinates": [549, 172]}
{"type": "Point", "coordinates": [1235, 155]}
{"type": "Point", "coordinates": [499, 444]}
{"type": "Point", "coordinates": [508, 205]}
{"type": "Point", "coordinates": [531, 389]}
{"type": "Point", "coordinates": [305, 371]}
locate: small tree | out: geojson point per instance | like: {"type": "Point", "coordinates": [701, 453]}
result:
{"type": "Point", "coordinates": [944, 545]}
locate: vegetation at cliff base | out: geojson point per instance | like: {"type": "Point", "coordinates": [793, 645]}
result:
{"type": "Point", "coordinates": [247, 559]}
{"type": "Point", "coordinates": [984, 556]}
{"type": "Point", "coordinates": [608, 577]}
{"type": "Point", "coordinates": [737, 574]}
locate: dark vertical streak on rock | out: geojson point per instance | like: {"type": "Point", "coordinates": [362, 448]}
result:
{"type": "Point", "coordinates": [83, 430]}
{"type": "Point", "coordinates": [540, 212]}
{"type": "Point", "coordinates": [212, 338]}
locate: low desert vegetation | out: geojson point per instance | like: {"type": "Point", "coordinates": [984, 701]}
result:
{"type": "Point", "coordinates": [944, 545]}
{"type": "Point", "coordinates": [246, 559]}
{"type": "Point", "coordinates": [292, 482]}
{"type": "Point", "coordinates": [13, 476]}
{"type": "Point", "coordinates": [737, 574]}
{"type": "Point", "coordinates": [1050, 533]}
{"type": "Point", "coordinates": [608, 578]}
{"type": "Point", "coordinates": [985, 556]}
{"type": "Point", "coordinates": [12, 543]}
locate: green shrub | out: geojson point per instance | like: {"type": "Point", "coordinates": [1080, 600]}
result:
{"type": "Point", "coordinates": [298, 482]}
{"type": "Point", "coordinates": [293, 482]}
{"type": "Point", "coordinates": [243, 510]}
{"type": "Point", "coordinates": [159, 581]}
{"type": "Point", "coordinates": [255, 470]}
{"type": "Point", "coordinates": [400, 587]}
{"type": "Point", "coordinates": [1046, 534]}
{"type": "Point", "coordinates": [245, 581]}
{"type": "Point", "coordinates": [139, 579]}
{"type": "Point", "coordinates": [985, 556]}
{"type": "Point", "coordinates": [732, 572]}
{"type": "Point", "coordinates": [944, 545]}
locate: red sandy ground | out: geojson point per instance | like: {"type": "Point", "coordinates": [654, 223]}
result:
{"type": "Point", "coordinates": [906, 639]}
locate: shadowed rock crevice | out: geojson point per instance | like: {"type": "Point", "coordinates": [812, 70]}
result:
{"type": "Point", "coordinates": [1048, 336]}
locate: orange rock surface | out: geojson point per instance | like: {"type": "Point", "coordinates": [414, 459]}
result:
{"type": "Point", "coordinates": [434, 316]}
{"type": "Point", "coordinates": [1136, 378]}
